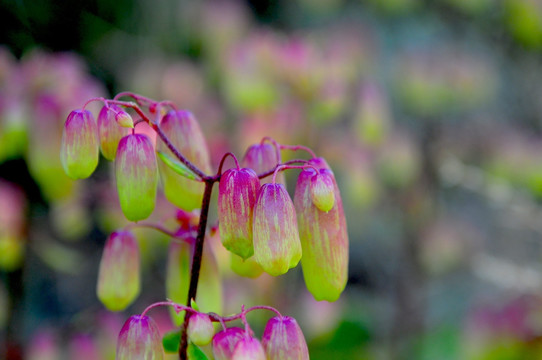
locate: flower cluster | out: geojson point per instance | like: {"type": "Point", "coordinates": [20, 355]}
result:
{"type": "Point", "coordinates": [282, 339]}
{"type": "Point", "coordinates": [259, 223]}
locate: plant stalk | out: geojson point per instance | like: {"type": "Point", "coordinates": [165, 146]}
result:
{"type": "Point", "coordinates": [196, 263]}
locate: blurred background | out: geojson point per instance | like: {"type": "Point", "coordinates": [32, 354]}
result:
{"type": "Point", "coordinates": [429, 113]}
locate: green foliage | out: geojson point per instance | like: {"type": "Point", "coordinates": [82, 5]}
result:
{"type": "Point", "coordinates": [176, 166]}
{"type": "Point", "coordinates": [170, 341]}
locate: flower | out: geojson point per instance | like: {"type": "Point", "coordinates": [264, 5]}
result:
{"type": "Point", "coordinates": [224, 342]}
{"type": "Point", "coordinates": [283, 340]}
{"type": "Point", "coordinates": [200, 329]}
{"type": "Point", "coordinates": [110, 132]}
{"type": "Point", "coordinates": [118, 277]}
{"type": "Point", "coordinates": [324, 238]}
{"type": "Point", "coordinates": [137, 176]}
{"type": "Point", "coordinates": [237, 194]}
{"type": "Point", "coordinates": [276, 239]}
{"type": "Point", "coordinates": [79, 152]}
{"type": "Point", "coordinates": [139, 339]}
{"type": "Point", "coordinates": [185, 134]}
{"type": "Point", "coordinates": [248, 348]}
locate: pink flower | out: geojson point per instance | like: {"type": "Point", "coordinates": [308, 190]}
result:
{"type": "Point", "coordinates": [283, 340]}
{"type": "Point", "coordinates": [139, 339]}
{"type": "Point", "coordinates": [237, 194]}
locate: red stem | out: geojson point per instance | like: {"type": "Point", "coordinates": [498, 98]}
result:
{"type": "Point", "coordinates": [286, 167]}
{"type": "Point", "coordinates": [298, 147]}
{"type": "Point", "coordinates": [219, 172]}
{"type": "Point", "coordinates": [275, 144]}
{"type": "Point", "coordinates": [177, 153]}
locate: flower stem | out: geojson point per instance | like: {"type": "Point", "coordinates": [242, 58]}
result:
{"type": "Point", "coordinates": [196, 263]}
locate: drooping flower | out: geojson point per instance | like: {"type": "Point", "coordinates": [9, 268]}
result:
{"type": "Point", "coordinates": [200, 329]}
{"type": "Point", "coordinates": [237, 194]}
{"type": "Point", "coordinates": [276, 239]}
{"type": "Point", "coordinates": [110, 132]}
{"type": "Point", "coordinates": [224, 342]}
{"type": "Point", "coordinates": [324, 238]}
{"type": "Point", "coordinates": [248, 348]}
{"type": "Point", "coordinates": [137, 176]}
{"type": "Point", "coordinates": [283, 340]}
{"type": "Point", "coordinates": [79, 152]}
{"type": "Point", "coordinates": [262, 158]}
{"type": "Point", "coordinates": [118, 277]}
{"type": "Point", "coordinates": [185, 134]}
{"type": "Point", "coordinates": [139, 339]}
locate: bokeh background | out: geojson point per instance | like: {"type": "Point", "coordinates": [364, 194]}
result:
{"type": "Point", "coordinates": [429, 112]}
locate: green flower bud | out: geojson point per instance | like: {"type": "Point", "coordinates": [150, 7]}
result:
{"type": "Point", "coordinates": [118, 278]}
{"type": "Point", "coordinates": [79, 152]}
{"type": "Point", "coordinates": [137, 176]}
{"type": "Point", "coordinates": [110, 132]}
{"type": "Point", "coordinates": [321, 189]}
{"type": "Point", "coordinates": [200, 329]}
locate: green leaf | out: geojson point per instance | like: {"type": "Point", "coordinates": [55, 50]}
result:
{"type": "Point", "coordinates": [193, 305]}
{"type": "Point", "coordinates": [176, 166]}
{"type": "Point", "coordinates": [195, 353]}
{"type": "Point", "coordinates": [170, 341]}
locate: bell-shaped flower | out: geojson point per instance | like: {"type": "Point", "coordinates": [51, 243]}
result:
{"type": "Point", "coordinates": [248, 348]}
{"type": "Point", "coordinates": [200, 329]}
{"type": "Point", "coordinates": [110, 132]}
{"type": "Point", "coordinates": [262, 158]}
{"type": "Point", "coordinates": [322, 190]}
{"type": "Point", "coordinates": [224, 342]}
{"type": "Point", "coordinates": [118, 277]}
{"type": "Point", "coordinates": [139, 339]}
{"type": "Point", "coordinates": [283, 340]}
{"type": "Point", "coordinates": [185, 134]}
{"type": "Point", "coordinates": [79, 152]}
{"type": "Point", "coordinates": [237, 194]}
{"type": "Point", "coordinates": [137, 176]}
{"type": "Point", "coordinates": [324, 238]}
{"type": "Point", "coordinates": [276, 239]}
